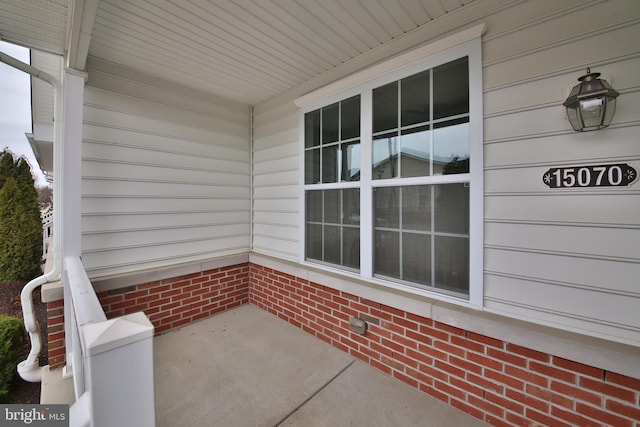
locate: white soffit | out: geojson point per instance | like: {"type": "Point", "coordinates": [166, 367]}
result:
{"type": "Point", "coordinates": [251, 50]}
{"type": "Point", "coordinates": [36, 24]}
{"type": "Point", "coordinates": [386, 67]}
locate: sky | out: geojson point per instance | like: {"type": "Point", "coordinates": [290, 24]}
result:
{"type": "Point", "coordinates": [15, 109]}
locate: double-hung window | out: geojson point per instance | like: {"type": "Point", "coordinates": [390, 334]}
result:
{"type": "Point", "coordinates": [392, 177]}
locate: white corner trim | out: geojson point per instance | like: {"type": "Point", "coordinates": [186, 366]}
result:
{"type": "Point", "coordinates": [386, 67]}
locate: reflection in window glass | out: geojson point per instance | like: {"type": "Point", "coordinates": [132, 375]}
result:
{"type": "Point", "coordinates": [418, 131]}
{"type": "Point", "coordinates": [451, 149]}
{"type": "Point", "coordinates": [351, 161]}
{"type": "Point", "coordinates": [332, 152]}
{"type": "Point", "coordinates": [415, 158]}
{"type": "Point", "coordinates": [385, 156]}
{"type": "Point", "coordinates": [330, 164]}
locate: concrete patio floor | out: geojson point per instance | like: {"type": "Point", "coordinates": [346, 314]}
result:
{"type": "Point", "coordinates": [246, 367]}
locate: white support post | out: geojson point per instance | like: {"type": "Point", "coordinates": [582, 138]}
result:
{"type": "Point", "coordinates": [119, 371]}
{"type": "Point", "coordinates": [67, 170]}
{"type": "Point", "coordinates": [71, 156]}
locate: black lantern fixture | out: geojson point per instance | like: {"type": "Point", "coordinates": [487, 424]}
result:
{"type": "Point", "coordinates": [591, 104]}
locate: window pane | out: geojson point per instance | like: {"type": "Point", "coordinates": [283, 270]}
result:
{"type": "Point", "coordinates": [332, 244]}
{"type": "Point", "coordinates": [451, 89]}
{"type": "Point", "coordinates": [314, 206]}
{"type": "Point", "coordinates": [312, 166]}
{"type": "Point", "coordinates": [416, 207]}
{"type": "Point", "coordinates": [351, 206]}
{"type": "Point", "coordinates": [416, 151]}
{"type": "Point", "coordinates": [312, 129]}
{"type": "Point", "coordinates": [350, 116]}
{"type": "Point", "coordinates": [387, 207]}
{"type": "Point", "coordinates": [332, 206]}
{"type": "Point", "coordinates": [386, 253]}
{"type": "Point", "coordinates": [415, 99]}
{"type": "Point", "coordinates": [451, 148]}
{"type": "Point", "coordinates": [452, 263]}
{"type": "Point", "coordinates": [385, 156]}
{"type": "Point", "coordinates": [351, 247]}
{"type": "Point", "coordinates": [385, 107]}
{"type": "Point", "coordinates": [330, 164]}
{"type": "Point", "coordinates": [451, 213]}
{"type": "Point", "coordinates": [416, 258]}
{"type": "Point", "coordinates": [314, 241]}
{"type": "Point", "coordinates": [330, 116]}
{"type": "Point", "coordinates": [351, 161]}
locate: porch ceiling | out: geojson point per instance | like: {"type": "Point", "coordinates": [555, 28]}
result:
{"type": "Point", "coordinates": [243, 50]}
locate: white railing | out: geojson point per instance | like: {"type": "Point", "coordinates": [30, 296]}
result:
{"type": "Point", "coordinates": [47, 230]}
{"type": "Point", "coordinates": [111, 360]}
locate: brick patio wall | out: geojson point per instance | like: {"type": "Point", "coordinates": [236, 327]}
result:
{"type": "Point", "coordinates": [168, 303]}
{"type": "Point", "coordinates": [498, 382]}
{"type": "Point", "coordinates": [55, 334]}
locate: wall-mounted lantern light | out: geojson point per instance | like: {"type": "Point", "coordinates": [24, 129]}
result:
{"type": "Point", "coordinates": [591, 103]}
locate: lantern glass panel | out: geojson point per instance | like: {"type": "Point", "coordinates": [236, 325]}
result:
{"type": "Point", "coordinates": [591, 111]}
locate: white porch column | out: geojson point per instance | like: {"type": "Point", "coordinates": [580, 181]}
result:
{"type": "Point", "coordinates": [70, 151]}
{"type": "Point", "coordinates": [67, 169]}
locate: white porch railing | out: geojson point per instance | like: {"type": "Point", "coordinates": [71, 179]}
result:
{"type": "Point", "coordinates": [111, 360]}
{"type": "Point", "coordinates": [47, 230]}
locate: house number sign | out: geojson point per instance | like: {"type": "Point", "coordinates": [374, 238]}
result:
{"type": "Point", "coordinates": [614, 175]}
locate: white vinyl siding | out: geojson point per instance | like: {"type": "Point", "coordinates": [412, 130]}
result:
{"type": "Point", "coordinates": [165, 176]}
{"type": "Point", "coordinates": [567, 258]}
{"type": "Point", "coordinates": [275, 182]}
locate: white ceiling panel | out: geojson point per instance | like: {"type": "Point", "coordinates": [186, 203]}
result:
{"type": "Point", "coordinates": [37, 24]}
{"type": "Point", "coordinates": [244, 50]}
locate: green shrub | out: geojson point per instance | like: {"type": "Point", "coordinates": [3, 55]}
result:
{"type": "Point", "coordinates": [11, 351]}
{"type": "Point", "coordinates": [20, 222]}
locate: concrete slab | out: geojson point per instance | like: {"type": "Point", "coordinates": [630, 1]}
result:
{"type": "Point", "coordinates": [363, 396]}
{"type": "Point", "coordinates": [244, 367]}
{"type": "Point", "coordinates": [55, 389]}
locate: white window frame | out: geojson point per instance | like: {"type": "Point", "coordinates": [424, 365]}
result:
{"type": "Point", "coordinates": [466, 43]}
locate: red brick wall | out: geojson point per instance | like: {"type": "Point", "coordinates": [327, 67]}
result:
{"type": "Point", "coordinates": [168, 303]}
{"type": "Point", "coordinates": [55, 334]}
{"type": "Point", "coordinates": [181, 300]}
{"type": "Point", "coordinates": [501, 383]}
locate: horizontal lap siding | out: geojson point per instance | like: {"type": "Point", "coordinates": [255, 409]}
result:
{"type": "Point", "coordinates": [165, 175]}
{"type": "Point", "coordinates": [275, 182]}
{"type": "Point", "coordinates": [568, 258]}
{"type": "Point", "coordinates": [563, 257]}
